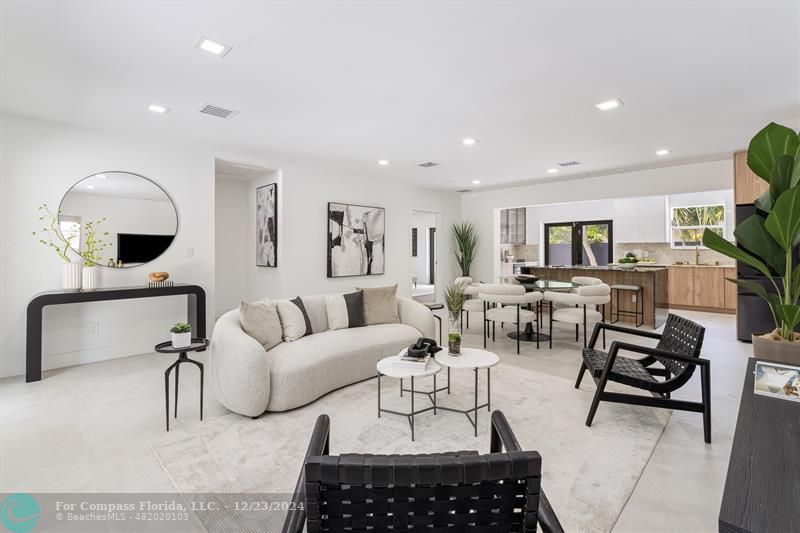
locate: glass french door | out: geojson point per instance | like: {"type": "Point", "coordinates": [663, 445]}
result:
{"type": "Point", "coordinates": [586, 243]}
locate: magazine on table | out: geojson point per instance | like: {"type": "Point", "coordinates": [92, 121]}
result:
{"type": "Point", "coordinates": [777, 381]}
{"type": "Point", "coordinates": [410, 363]}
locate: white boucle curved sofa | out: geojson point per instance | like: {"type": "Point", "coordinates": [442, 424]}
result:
{"type": "Point", "coordinates": [250, 380]}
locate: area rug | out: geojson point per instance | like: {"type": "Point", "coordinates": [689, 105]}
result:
{"type": "Point", "coordinates": [588, 473]}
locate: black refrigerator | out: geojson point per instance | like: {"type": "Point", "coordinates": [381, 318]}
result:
{"type": "Point", "coordinates": [752, 312]}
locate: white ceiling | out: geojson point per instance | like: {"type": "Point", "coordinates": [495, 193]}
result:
{"type": "Point", "coordinates": [343, 84]}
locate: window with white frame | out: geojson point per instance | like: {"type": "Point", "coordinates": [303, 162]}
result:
{"type": "Point", "coordinates": [689, 222]}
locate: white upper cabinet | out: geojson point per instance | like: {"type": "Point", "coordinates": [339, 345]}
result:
{"type": "Point", "coordinates": [642, 219]}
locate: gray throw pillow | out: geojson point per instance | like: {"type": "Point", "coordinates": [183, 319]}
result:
{"type": "Point", "coordinates": [380, 305]}
{"type": "Point", "coordinates": [260, 320]}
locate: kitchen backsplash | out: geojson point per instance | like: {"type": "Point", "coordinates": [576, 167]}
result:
{"type": "Point", "coordinates": [520, 252]}
{"type": "Point", "coordinates": [663, 254]}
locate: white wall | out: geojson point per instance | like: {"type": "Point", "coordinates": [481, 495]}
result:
{"type": "Point", "coordinates": [41, 160]}
{"type": "Point", "coordinates": [303, 196]}
{"type": "Point", "coordinates": [480, 207]}
{"type": "Point", "coordinates": [419, 265]}
{"type": "Point", "coordinates": [231, 235]}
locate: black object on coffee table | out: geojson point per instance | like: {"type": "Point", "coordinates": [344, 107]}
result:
{"type": "Point", "coordinates": [197, 345]}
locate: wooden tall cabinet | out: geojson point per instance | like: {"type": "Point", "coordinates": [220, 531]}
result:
{"type": "Point", "coordinates": [746, 185]}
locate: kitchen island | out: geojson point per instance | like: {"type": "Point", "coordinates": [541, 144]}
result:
{"type": "Point", "coordinates": [653, 280]}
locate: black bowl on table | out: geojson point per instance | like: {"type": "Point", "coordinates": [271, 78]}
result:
{"type": "Point", "coordinates": [527, 278]}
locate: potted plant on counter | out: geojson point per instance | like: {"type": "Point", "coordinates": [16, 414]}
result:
{"type": "Point", "coordinates": [770, 238]}
{"type": "Point", "coordinates": [181, 335]}
{"type": "Point", "coordinates": [95, 242]}
{"type": "Point", "coordinates": [454, 297]}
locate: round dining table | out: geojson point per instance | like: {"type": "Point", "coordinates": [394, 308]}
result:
{"type": "Point", "coordinates": [542, 285]}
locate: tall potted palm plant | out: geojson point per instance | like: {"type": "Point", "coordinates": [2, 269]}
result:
{"type": "Point", "coordinates": [466, 245]}
{"type": "Point", "coordinates": [770, 239]}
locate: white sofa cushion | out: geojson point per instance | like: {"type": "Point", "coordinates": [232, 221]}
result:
{"type": "Point", "coordinates": [312, 366]}
{"type": "Point", "coordinates": [345, 310]}
{"type": "Point", "coordinates": [260, 320]}
{"type": "Point", "coordinates": [294, 319]}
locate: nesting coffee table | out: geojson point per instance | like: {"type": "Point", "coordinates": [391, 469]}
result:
{"type": "Point", "coordinates": [470, 358]}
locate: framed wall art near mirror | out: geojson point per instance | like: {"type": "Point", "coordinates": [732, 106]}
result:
{"type": "Point", "coordinates": [267, 225]}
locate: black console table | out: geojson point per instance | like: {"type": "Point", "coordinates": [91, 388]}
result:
{"type": "Point", "coordinates": [762, 490]}
{"type": "Point", "coordinates": [196, 313]}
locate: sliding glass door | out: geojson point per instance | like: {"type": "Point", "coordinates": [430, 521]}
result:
{"type": "Point", "coordinates": [587, 243]}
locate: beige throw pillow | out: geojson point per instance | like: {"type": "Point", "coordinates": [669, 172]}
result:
{"type": "Point", "coordinates": [380, 305]}
{"type": "Point", "coordinates": [260, 320]}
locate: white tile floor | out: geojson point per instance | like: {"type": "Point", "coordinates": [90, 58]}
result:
{"type": "Point", "coordinates": [85, 428]}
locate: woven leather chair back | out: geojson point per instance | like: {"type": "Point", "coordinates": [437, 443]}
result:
{"type": "Point", "coordinates": [684, 337]}
{"type": "Point", "coordinates": [440, 492]}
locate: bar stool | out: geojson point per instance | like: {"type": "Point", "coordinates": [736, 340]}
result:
{"type": "Point", "coordinates": [639, 311]}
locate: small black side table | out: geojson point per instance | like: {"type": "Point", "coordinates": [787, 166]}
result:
{"type": "Point", "coordinates": [436, 307]}
{"type": "Point", "coordinates": [197, 345]}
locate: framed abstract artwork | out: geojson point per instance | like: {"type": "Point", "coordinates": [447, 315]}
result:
{"type": "Point", "coordinates": [267, 225]}
{"type": "Point", "coordinates": [356, 240]}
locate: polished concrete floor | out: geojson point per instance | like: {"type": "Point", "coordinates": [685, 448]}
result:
{"type": "Point", "coordinates": [86, 428]}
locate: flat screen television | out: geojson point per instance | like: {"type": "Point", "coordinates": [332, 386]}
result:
{"type": "Point", "coordinates": [141, 248]}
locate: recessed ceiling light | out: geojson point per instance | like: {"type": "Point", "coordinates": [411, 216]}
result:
{"type": "Point", "coordinates": [89, 186]}
{"type": "Point", "coordinates": [469, 141]}
{"type": "Point", "coordinates": [476, 182]}
{"type": "Point", "coordinates": [663, 151]}
{"type": "Point", "coordinates": [212, 47]}
{"type": "Point", "coordinates": [383, 162]}
{"type": "Point", "coordinates": [608, 105]}
{"type": "Point", "coordinates": [552, 170]}
{"type": "Point", "coordinates": [156, 108]}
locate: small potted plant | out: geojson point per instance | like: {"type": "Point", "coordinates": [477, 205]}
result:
{"type": "Point", "coordinates": [454, 298]}
{"type": "Point", "coordinates": [181, 335]}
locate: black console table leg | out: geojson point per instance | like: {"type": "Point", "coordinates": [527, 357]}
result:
{"type": "Point", "coordinates": [33, 344]}
{"type": "Point", "coordinates": [177, 373]}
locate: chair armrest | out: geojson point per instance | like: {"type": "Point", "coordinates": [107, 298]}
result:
{"type": "Point", "coordinates": [320, 439]}
{"type": "Point", "coordinates": [502, 437]}
{"type": "Point", "coordinates": [613, 327]}
{"type": "Point", "coordinates": [660, 353]}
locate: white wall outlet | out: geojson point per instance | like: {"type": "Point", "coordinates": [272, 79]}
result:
{"type": "Point", "coordinates": [94, 328]}
{"type": "Point", "coordinates": [645, 253]}
{"type": "Point", "coordinates": [633, 297]}
{"type": "Point", "coordinates": [190, 251]}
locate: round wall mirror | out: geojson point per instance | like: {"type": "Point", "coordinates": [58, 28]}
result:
{"type": "Point", "coordinates": [118, 219]}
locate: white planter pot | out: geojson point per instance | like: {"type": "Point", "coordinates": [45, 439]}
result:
{"type": "Point", "coordinates": [89, 278]}
{"type": "Point", "coordinates": [181, 340]}
{"type": "Point", "coordinates": [71, 276]}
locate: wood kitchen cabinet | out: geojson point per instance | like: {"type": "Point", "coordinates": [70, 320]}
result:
{"type": "Point", "coordinates": [709, 288]}
{"type": "Point", "coordinates": [747, 186]}
{"type": "Point", "coordinates": [731, 294]}
{"type": "Point", "coordinates": [681, 285]}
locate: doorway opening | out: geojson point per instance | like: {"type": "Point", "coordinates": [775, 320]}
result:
{"type": "Point", "coordinates": [423, 255]}
{"type": "Point", "coordinates": [587, 243]}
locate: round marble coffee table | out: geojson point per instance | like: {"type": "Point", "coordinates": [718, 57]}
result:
{"type": "Point", "coordinates": [386, 368]}
{"type": "Point", "coordinates": [475, 359]}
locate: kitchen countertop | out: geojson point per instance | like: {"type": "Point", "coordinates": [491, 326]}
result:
{"type": "Point", "coordinates": [615, 268]}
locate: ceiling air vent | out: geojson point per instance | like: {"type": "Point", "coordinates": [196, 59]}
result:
{"type": "Point", "coordinates": [217, 111]}
{"type": "Point", "coordinates": [569, 163]}
{"type": "Point", "coordinates": [428, 164]}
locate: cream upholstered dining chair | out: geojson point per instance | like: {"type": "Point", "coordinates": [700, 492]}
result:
{"type": "Point", "coordinates": [473, 303]}
{"type": "Point", "coordinates": [579, 307]}
{"type": "Point", "coordinates": [582, 281]}
{"type": "Point", "coordinates": [508, 302]}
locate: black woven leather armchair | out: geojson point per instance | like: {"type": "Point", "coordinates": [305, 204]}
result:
{"type": "Point", "coordinates": [678, 351]}
{"type": "Point", "coordinates": [455, 491]}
